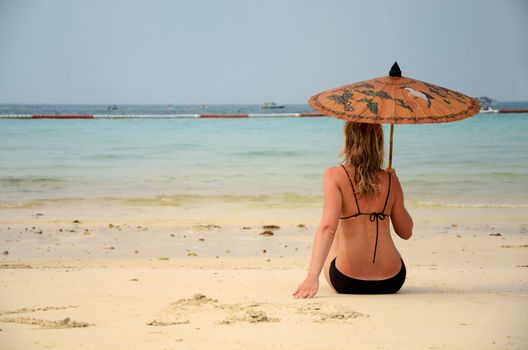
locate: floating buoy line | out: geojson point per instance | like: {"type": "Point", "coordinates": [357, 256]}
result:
{"type": "Point", "coordinates": [155, 116]}
{"type": "Point", "coordinates": [182, 116]}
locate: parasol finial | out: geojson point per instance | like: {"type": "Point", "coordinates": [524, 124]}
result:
{"type": "Point", "coordinates": [395, 70]}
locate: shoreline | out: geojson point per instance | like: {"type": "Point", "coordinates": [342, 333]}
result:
{"type": "Point", "coordinates": [239, 213]}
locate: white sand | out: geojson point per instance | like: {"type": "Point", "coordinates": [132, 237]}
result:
{"type": "Point", "coordinates": [203, 287]}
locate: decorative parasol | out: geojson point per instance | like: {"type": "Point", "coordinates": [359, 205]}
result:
{"type": "Point", "coordinates": [394, 100]}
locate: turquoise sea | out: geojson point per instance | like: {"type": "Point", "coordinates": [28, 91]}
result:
{"type": "Point", "coordinates": [478, 162]}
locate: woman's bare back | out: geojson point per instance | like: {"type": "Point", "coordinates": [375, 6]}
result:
{"type": "Point", "coordinates": [363, 246]}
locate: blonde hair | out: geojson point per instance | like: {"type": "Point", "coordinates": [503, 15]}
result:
{"type": "Point", "coordinates": [363, 149]}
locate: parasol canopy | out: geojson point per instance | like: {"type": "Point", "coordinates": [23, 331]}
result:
{"type": "Point", "coordinates": [394, 99]}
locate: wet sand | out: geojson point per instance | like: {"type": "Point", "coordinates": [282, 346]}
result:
{"type": "Point", "coordinates": [173, 278]}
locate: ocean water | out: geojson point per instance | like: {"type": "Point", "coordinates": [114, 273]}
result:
{"type": "Point", "coordinates": [478, 162]}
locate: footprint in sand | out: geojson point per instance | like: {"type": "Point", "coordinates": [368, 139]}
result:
{"type": "Point", "coordinates": [251, 316]}
{"type": "Point", "coordinates": [180, 309]}
{"type": "Point", "coordinates": [26, 310]}
{"type": "Point", "coordinates": [196, 301]}
{"type": "Point", "coordinates": [247, 312]}
{"type": "Point", "coordinates": [329, 312]}
{"type": "Point", "coordinates": [168, 322]}
{"type": "Point", "coordinates": [48, 324]}
{"type": "Point", "coordinates": [177, 310]}
{"type": "Point", "coordinates": [44, 324]}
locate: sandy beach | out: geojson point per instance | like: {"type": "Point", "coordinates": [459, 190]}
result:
{"type": "Point", "coordinates": [175, 278]}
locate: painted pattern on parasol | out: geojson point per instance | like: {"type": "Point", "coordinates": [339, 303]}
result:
{"type": "Point", "coordinates": [393, 100]}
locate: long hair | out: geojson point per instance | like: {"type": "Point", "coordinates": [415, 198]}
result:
{"type": "Point", "coordinates": [363, 149]}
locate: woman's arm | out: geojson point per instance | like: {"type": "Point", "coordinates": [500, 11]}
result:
{"type": "Point", "coordinates": [400, 217]}
{"type": "Point", "coordinates": [324, 235]}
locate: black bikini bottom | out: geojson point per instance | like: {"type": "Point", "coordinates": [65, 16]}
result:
{"type": "Point", "coordinates": [347, 285]}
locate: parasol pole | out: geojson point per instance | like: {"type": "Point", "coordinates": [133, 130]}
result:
{"type": "Point", "coordinates": [394, 72]}
{"type": "Point", "coordinates": [390, 145]}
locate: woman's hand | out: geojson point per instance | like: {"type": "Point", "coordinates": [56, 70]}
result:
{"type": "Point", "coordinates": [307, 289]}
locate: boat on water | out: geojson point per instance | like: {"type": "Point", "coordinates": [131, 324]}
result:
{"type": "Point", "coordinates": [485, 104]}
{"type": "Point", "coordinates": [112, 107]}
{"type": "Point", "coordinates": [489, 110]}
{"type": "Point", "coordinates": [271, 105]}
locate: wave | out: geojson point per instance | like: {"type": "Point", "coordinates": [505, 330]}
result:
{"type": "Point", "coordinates": [275, 200]}
{"type": "Point", "coordinates": [108, 156]}
{"type": "Point", "coordinates": [35, 203]}
{"type": "Point", "coordinates": [11, 180]}
{"type": "Point", "coordinates": [508, 175]}
{"type": "Point", "coordinates": [284, 199]}
{"type": "Point", "coordinates": [432, 204]}
{"type": "Point", "coordinates": [268, 153]}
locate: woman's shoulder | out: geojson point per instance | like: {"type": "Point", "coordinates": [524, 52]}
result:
{"type": "Point", "coordinates": [334, 174]}
{"type": "Point", "coordinates": [336, 171]}
{"type": "Point", "coordinates": [389, 177]}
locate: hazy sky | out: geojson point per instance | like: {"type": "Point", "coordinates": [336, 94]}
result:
{"type": "Point", "coordinates": [243, 51]}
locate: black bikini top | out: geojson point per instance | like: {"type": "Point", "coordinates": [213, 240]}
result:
{"type": "Point", "coordinates": [374, 216]}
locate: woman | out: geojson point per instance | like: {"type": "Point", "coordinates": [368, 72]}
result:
{"type": "Point", "coordinates": [353, 243]}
